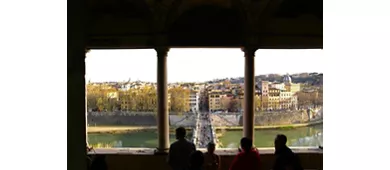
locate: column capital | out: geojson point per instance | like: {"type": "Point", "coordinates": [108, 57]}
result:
{"type": "Point", "coordinates": [162, 51]}
{"type": "Point", "coordinates": [249, 51]}
{"type": "Point", "coordinates": [160, 41]}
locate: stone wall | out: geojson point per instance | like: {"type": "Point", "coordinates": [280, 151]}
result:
{"type": "Point", "coordinates": [136, 119]}
{"type": "Point", "coordinates": [265, 118]}
{"type": "Point", "coordinates": [280, 118]}
{"type": "Point", "coordinates": [188, 120]}
{"type": "Point", "coordinates": [121, 119]}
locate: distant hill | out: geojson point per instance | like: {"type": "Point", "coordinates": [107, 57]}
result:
{"type": "Point", "coordinates": [315, 79]}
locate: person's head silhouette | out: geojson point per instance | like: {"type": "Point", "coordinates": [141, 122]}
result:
{"type": "Point", "coordinates": [196, 159]}
{"type": "Point", "coordinates": [211, 147]}
{"type": "Point", "coordinates": [180, 133]}
{"type": "Point", "coordinates": [246, 144]}
{"type": "Point", "coordinates": [280, 141]}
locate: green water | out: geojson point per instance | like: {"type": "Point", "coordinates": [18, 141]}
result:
{"type": "Point", "coordinates": [305, 136]}
{"type": "Point", "coordinates": [147, 139]}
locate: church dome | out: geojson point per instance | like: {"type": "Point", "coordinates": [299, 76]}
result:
{"type": "Point", "coordinates": [287, 79]}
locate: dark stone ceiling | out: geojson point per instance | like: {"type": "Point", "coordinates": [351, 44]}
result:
{"type": "Point", "coordinates": [276, 24]}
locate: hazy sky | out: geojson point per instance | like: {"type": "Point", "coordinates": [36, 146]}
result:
{"type": "Point", "coordinates": [194, 65]}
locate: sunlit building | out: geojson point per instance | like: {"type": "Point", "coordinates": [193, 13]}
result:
{"type": "Point", "coordinates": [215, 100]}
{"type": "Point", "coordinates": [290, 86]}
{"type": "Point", "coordinates": [285, 99]}
{"type": "Point", "coordinates": [274, 99]}
{"type": "Point", "coordinates": [280, 86]}
{"type": "Point", "coordinates": [194, 101]}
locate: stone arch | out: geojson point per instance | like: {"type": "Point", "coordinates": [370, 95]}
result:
{"type": "Point", "coordinates": [207, 25]}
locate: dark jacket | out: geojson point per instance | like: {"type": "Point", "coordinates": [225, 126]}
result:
{"type": "Point", "coordinates": [286, 158]}
{"type": "Point", "coordinates": [179, 154]}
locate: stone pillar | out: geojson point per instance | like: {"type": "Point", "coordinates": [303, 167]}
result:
{"type": "Point", "coordinates": [162, 99]}
{"type": "Point", "coordinates": [76, 109]}
{"type": "Point", "coordinates": [249, 93]}
{"type": "Point", "coordinates": [76, 103]}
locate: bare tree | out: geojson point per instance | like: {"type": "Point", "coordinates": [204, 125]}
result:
{"type": "Point", "coordinates": [235, 105]}
{"type": "Point", "coordinates": [225, 103]}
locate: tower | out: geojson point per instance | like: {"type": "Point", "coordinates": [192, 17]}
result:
{"type": "Point", "coordinates": [287, 79]}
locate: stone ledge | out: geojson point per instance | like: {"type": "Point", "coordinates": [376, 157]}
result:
{"type": "Point", "coordinates": [219, 151]}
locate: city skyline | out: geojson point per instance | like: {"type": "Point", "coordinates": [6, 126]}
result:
{"type": "Point", "coordinates": [196, 65]}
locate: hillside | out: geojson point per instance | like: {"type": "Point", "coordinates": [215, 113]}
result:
{"type": "Point", "coordinates": [315, 79]}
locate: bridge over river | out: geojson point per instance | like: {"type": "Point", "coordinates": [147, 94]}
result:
{"type": "Point", "coordinates": [204, 131]}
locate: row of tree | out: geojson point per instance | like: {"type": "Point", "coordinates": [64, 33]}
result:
{"type": "Point", "coordinates": [142, 99]}
{"type": "Point", "coordinates": [145, 99]}
{"type": "Point", "coordinates": [310, 99]}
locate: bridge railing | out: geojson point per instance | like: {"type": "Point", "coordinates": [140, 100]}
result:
{"type": "Point", "coordinates": [195, 131]}
{"type": "Point", "coordinates": [214, 136]}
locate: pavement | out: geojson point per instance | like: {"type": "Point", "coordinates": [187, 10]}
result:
{"type": "Point", "coordinates": [204, 131]}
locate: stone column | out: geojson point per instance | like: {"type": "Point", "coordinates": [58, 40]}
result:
{"type": "Point", "coordinates": [76, 103]}
{"type": "Point", "coordinates": [162, 99]}
{"type": "Point", "coordinates": [76, 109]}
{"type": "Point", "coordinates": [249, 93]}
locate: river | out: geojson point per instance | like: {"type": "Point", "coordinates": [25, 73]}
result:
{"type": "Point", "coordinates": [304, 136]}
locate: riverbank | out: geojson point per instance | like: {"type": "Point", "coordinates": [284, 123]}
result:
{"type": "Point", "coordinates": [129, 129]}
{"type": "Point", "coordinates": [289, 126]}
{"type": "Point", "coordinates": [124, 129]}
{"type": "Point", "coordinates": [310, 136]}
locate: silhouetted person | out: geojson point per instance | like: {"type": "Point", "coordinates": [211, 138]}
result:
{"type": "Point", "coordinates": [248, 158]}
{"type": "Point", "coordinates": [285, 159]}
{"type": "Point", "coordinates": [196, 160]}
{"type": "Point", "coordinates": [212, 160]}
{"type": "Point", "coordinates": [179, 152]}
{"type": "Point", "coordinates": [99, 163]}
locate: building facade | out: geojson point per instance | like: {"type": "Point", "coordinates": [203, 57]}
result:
{"type": "Point", "coordinates": [215, 100]}
{"type": "Point", "coordinates": [279, 96]}
{"type": "Point", "coordinates": [194, 101]}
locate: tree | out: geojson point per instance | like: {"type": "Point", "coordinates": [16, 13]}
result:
{"type": "Point", "coordinates": [302, 100]}
{"type": "Point", "coordinates": [225, 103]}
{"type": "Point", "coordinates": [92, 101]}
{"type": "Point", "coordinates": [179, 99]}
{"type": "Point", "coordinates": [257, 103]}
{"type": "Point", "coordinates": [128, 100]}
{"type": "Point", "coordinates": [110, 104]}
{"type": "Point", "coordinates": [235, 105]}
{"type": "Point", "coordinates": [100, 104]}
{"type": "Point", "coordinates": [101, 97]}
{"type": "Point", "coordinates": [93, 94]}
{"type": "Point", "coordinates": [319, 98]}
{"type": "Point", "coordinates": [146, 99]}
{"type": "Point", "coordinates": [306, 99]}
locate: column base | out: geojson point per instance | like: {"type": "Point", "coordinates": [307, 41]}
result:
{"type": "Point", "coordinates": [161, 151]}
